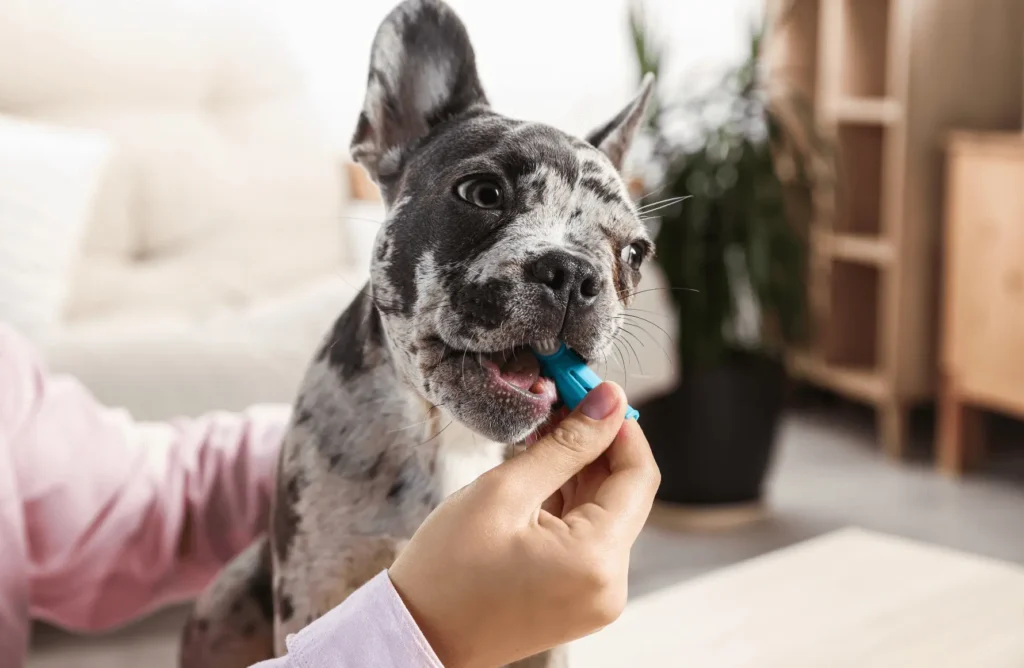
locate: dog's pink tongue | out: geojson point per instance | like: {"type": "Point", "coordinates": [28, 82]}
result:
{"type": "Point", "coordinates": [522, 371]}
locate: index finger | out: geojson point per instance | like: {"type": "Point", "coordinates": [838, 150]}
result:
{"type": "Point", "coordinates": [627, 494]}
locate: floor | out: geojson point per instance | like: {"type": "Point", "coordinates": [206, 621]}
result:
{"type": "Point", "coordinates": [827, 475]}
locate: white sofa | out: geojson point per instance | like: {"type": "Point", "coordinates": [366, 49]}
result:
{"type": "Point", "coordinates": [217, 253]}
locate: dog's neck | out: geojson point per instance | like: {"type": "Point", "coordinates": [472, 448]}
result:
{"type": "Point", "coordinates": [369, 423]}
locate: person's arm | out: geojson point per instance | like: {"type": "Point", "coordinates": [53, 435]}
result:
{"type": "Point", "coordinates": [121, 517]}
{"type": "Point", "coordinates": [372, 627]}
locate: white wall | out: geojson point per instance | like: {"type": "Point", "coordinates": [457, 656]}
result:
{"type": "Point", "coordinates": [565, 62]}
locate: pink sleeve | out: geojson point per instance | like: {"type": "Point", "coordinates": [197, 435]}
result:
{"type": "Point", "coordinates": [119, 517]}
{"type": "Point", "coordinates": [371, 628]}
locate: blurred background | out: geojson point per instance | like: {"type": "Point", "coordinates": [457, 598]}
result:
{"type": "Point", "coordinates": [832, 334]}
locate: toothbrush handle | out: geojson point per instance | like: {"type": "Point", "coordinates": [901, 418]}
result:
{"type": "Point", "coordinates": [579, 380]}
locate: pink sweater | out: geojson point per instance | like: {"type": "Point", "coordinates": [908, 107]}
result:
{"type": "Point", "coordinates": [103, 519]}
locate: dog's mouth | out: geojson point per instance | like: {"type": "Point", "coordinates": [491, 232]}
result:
{"type": "Point", "coordinates": [502, 394]}
{"type": "Point", "coordinates": [520, 370]}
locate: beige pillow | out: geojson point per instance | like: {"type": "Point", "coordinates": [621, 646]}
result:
{"type": "Point", "coordinates": [49, 177]}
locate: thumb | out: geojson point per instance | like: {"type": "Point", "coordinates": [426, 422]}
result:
{"type": "Point", "coordinates": [578, 440]}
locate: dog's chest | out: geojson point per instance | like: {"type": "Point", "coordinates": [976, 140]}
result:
{"type": "Point", "coordinates": [463, 456]}
{"type": "Point", "coordinates": [351, 528]}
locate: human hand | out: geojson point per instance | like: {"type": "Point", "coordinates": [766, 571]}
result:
{"type": "Point", "coordinates": [535, 552]}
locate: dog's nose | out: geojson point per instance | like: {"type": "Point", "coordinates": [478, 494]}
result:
{"type": "Point", "coordinates": [572, 280]}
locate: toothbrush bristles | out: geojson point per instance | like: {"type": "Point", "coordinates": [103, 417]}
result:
{"type": "Point", "coordinates": [546, 347]}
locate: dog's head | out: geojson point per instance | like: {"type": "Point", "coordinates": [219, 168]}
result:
{"type": "Point", "coordinates": [499, 232]}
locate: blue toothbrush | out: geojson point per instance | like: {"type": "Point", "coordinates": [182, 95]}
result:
{"type": "Point", "coordinates": [573, 379]}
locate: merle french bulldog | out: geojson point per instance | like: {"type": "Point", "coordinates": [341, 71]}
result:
{"type": "Point", "coordinates": [498, 233]}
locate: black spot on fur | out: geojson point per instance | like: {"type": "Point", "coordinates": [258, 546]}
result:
{"type": "Point", "coordinates": [538, 189]}
{"type": "Point", "coordinates": [259, 587]}
{"type": "Point", "coordinates": [602, 190]}
{"type": "Point", "coordinates": [591, 168]}
{"type": "Point", "coordinates": [374, 327]}
{"type": "Point", "coordinates": [374, 468]}
{"type": "Point", "coordinates": [334, 461]}
{"type": "Point", "coordinates": [363, 128]}
{"type": "Point", "coordinates": [249, 630]}
{"type": "Point", "coordinates": [483, 305]}
{"type": "Point", "coordinates": [285, 606]}
{"type": "Point", "coordinates": [397, 487]}
{"type": "Point", "coordinates": [285, 521]}
{"type": "Point", "coordinates": [345, 349]}
{"type": "Point", "coordinates": [518, 166]}
{"type": "Point", "coordinates": [302, 414]}
{"type": "Point", "coordinates": [382, 250]}
{"type": "Point", "coordinates": [436, 33]}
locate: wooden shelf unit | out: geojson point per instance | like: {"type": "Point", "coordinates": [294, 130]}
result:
{"type": "Point", "coordinates": [889, 79]}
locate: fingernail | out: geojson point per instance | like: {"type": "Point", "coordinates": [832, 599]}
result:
{"type": "Point", "coordinates": [599, 402]}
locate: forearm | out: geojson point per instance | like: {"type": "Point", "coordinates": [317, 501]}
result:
{"type": "Point", "coordinates": [121, 517]}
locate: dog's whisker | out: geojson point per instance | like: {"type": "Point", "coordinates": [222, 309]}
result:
{"type": "Point", "coordinates": [653, 193]}
{"type": "Point", "coordinates": [652, 323]}
{"type": "Point", "coordinates": [429, 419]}
{"type": "Point", "coordinates": [668, 357]}
{"type": "Point", "coordinates": [411, 426]}
{"type": "Point", "coordinates": [633, 336]}
{"type": "Point", "coordinates": [420, 445]}
{"type": "Point", "coordinates": [649, 311]}
{"type": "Point", "coordinates": [626, 295]}
{"type": "Point", "coordinates": [625, 372]}
{"type": "Point", "coordinates": [635, 355]}
{"type": "Point", "coordinates": [661, 204]}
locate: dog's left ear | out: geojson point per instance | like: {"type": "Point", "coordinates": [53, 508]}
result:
{"type": "Point", "coordinates": [422, 72]}
{"type": "Point", "coordinates": [616, 136]}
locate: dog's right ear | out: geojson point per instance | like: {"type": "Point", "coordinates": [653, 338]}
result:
{"type": "Point", "coordinates": [422, 72]}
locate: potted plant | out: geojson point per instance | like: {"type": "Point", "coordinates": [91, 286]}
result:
{"type": "Point", "coordinates": [734, 250]}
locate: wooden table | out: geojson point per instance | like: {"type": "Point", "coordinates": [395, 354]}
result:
{"type": "Point", "coordinates": [851, 599]}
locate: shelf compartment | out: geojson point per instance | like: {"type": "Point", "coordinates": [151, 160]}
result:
{"type": "Point", "coordinates": [865, 39]}
{"type": "Point", "coordinates": [859, 193]}
{"type": "Point", "coordinates": [794, 45]}
{"type": "Point", "coordinates": [851, 338]}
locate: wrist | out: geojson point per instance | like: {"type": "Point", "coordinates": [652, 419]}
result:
{"type": "Point", "coordinates": [436, 630]}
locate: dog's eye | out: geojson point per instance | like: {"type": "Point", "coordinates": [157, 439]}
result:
{"type": "Point", "coordinates": [633, 256]}
{"type": "Point", "coordinates": [482, 193]}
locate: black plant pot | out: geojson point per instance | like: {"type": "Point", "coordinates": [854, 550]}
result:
{"type": "Point", "coordinates": [713, 435]}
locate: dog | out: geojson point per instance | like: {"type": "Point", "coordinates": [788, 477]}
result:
{"type": "Point", "coordinates": [498, 233]}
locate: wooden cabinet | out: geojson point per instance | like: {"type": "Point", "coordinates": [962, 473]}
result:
{"type": "Point", "coordinates": [982, 360]}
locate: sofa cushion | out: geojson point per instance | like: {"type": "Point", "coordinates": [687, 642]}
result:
{"type": "Point", "coordinates": [222, 187]}
{"type": "Point", "coordinates": [48, 181]}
